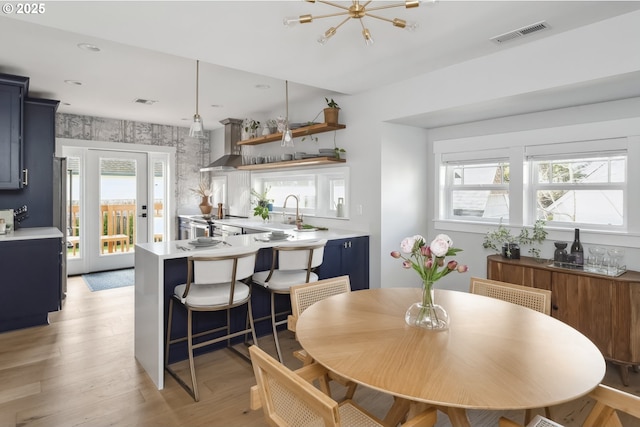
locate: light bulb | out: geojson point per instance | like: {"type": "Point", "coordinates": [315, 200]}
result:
{"type": "Point", "coordinates": [290, 21]}
{"type": "Point", "coordinates": [324, 38]}
{"type": "Point", "coordinates": [367, 37]}
{"type": "Point", "coordinates": [411, 26]}
{"type": "Point", "coordinates": [288, 138]}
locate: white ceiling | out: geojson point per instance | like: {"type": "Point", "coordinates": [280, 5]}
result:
{"type": "Point", "coordinates": [149, 48]}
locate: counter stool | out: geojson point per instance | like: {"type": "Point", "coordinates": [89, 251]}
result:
{"type": "Point", "coordinates": [213, 284]}
{"type": "Point", "coordinates": [292, 264]}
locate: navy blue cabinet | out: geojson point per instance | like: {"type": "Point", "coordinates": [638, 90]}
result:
{"type": "Point", "coordinates": [30, 283]}
{"type": "Point", "coordinates": [347, 257]}
{"type": "Point", "coordinates": [38, 152]}
{"type": "Point", "coordinates": [13, 89]}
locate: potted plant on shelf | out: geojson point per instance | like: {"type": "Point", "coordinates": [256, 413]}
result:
{"type": "Point", "coordinates": [250, 128]}
{"type": "Point", "coordinates": [502, 241]}
{"type": "Point", "coordinates": [331, 112]}
{"type": "Point", "coordinates": [263, 203]}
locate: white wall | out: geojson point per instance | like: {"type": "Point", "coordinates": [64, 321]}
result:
{"type": "Point", "coordinates": [602, 50]}
{"type": "Point", "coordinates": [404, 207]}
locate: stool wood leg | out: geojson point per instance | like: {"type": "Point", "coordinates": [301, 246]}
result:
{"type": "Point", "coordinates": [275, 327]}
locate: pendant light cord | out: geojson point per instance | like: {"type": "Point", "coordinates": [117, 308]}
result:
{"type": "Point", "coordinates": [197, 83]}
{"type": "Point", "coordinates": [286, 92]}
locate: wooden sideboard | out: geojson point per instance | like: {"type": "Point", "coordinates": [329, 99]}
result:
{"type": "Point", "coordinates": [605, 309]}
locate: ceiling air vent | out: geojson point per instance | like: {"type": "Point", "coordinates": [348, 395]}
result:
{"type": "Point", "coordinates": [144, 101]}
{"type": "Point", "coordinates": [520, 32]}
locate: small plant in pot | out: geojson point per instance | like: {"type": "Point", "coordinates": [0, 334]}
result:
{"type": "Point", "coordinates": [502, 241]}
{"type": "Point", "coordinates": [331, 112]}
{"type": "Point", "coordinates": [263, 203]}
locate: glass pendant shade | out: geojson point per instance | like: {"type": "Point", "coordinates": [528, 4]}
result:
{"type": "Point", "coordinates": [287, 138]}
{"type": "Point", "coordinates": [197, 129]}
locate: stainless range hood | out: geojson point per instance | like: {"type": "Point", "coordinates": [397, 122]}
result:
{"type": "Point", "coordinates": [231, 159]}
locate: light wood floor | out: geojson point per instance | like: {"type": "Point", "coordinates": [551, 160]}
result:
{"type": "Point", "coordinates": [80, 371]}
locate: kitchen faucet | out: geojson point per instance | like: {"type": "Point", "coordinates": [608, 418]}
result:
{"type": "Point", "coordinates": [298, 218]}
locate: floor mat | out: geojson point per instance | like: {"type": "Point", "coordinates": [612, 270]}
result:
{"type": "Point", "coordinates": [109, 279]}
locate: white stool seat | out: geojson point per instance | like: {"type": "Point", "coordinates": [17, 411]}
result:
{"type": "Point", "coordinates": [283, 280]}
{"type": "Point", "coordinates": [212, 294]}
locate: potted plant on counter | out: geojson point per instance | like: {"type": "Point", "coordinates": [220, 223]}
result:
{"type": "Point", "coordinates": [502, 241]}
{"type": "Point", "coordinates": [263, 203]}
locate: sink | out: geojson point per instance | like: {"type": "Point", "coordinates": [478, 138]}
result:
{"type": "Point", "coordinates": [278, 226]}
{"type": "Point", "coordinates": [259, 225]}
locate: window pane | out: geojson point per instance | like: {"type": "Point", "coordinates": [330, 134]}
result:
{"type": "Point", "coordinates": [337, 191]}
{"type": "Point", "coordinates": [74, 214]}
{"type": "Point", "coordinates": [483, 204]}
{"type": "Point", "coordinates": [603, 207]}
{"type": "Point", "coordinates": [159, 191]}
{"type": "Point", "coordinates": [481, 174]}
{"type": "Point", "coordinates": [302, 187]}
{"type": "Point", "coordinates": [586, 171]}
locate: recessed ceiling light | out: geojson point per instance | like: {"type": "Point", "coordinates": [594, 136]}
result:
{"type": "Point", "coordinates": [89, 47]}
{"type": "Point", "coordinates": [73, 82]}
{"type": "Point", "coordinates": [217, 105]}
{"type": "Point", "coordinates": [263, 86]}
{"type": "Point", "coordinates": [144, 101]}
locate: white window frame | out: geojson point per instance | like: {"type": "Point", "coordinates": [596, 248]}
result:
{"type": "Point", "coordinates": [321, 178]}
{"type": "Point", "coordinates": [451, 187]}
{"type": "Point", "coordinates": [586, 150]}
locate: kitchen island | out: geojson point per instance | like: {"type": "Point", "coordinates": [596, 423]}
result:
{"type": "Point", "coordinates": [160, 266]}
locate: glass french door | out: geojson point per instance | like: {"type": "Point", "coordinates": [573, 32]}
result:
{"type": "Point", "coordinates": [115, 199]}
{"type": "Point", "coordinates": [117, 208]}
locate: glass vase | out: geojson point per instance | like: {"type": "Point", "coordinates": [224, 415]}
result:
{"type": "Point", "coordinates": [426, 313]}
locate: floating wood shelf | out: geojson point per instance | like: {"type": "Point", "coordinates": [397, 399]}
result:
{"type": "Point", "coordinates": [293, 163]}
{"type": "Point", "coordinates": [303, 131]}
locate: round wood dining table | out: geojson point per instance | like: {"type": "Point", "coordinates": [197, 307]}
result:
{"type": "Point", "coordinates": [495, 355]}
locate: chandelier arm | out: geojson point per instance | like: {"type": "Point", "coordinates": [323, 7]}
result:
{"type": "Point", "coordinates": [388, 6]}
{"type": "Point", "coordinates": [339, 6]}
{"type": "Point", "coordinates": [340, 24]}
{"type": "Point", "coordinates": [378, 17]}
{"type": "Point", "coordinates": [326, 16]}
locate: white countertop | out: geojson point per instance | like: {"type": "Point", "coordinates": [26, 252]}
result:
{"type": "Point", "coordinates": [31, 233]}
{"type": "Point", "coordinates": [171, 249]}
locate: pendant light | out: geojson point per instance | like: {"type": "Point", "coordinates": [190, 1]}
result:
{"type": "Point", "coordinates": [197, 129]}
{"type": "Point", "coordinates": [287, 137]}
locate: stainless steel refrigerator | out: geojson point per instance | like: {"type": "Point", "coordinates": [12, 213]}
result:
{"type": "Point", "coordinates": [60, 217]}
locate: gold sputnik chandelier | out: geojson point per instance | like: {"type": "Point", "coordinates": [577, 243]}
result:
{"type": "Point", "coordinates": [356, 11]}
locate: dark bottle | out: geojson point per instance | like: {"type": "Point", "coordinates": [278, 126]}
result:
{"type": "Point", "coordinates": [576, 250]}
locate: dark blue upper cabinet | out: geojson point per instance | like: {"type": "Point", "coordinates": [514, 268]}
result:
{"type": "Point", "coordinates": [13, 90]}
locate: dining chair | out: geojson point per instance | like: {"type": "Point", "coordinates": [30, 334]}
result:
{"type": "Point", "coordinates": [292, 264]}
{"type": "Point", "coordinates": [525, 296]}
{"type": "Point", "coordinates": [302, 297]}
{"type": "Point", "coordinates": [608, 401]}
{"type": "Point", "coordinates": [214, 283]}
{"type": "Point", "coordinates": [289, 398]}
